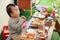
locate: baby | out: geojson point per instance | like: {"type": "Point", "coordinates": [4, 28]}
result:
{"type": "Point", "coordinates": [15, 22]}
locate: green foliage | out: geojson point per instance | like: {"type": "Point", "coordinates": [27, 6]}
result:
{"type": "Point", "coordinates": [26, 13]}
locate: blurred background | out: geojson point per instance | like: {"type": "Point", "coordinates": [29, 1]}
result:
{"type": "Point", "coordinates": [25, 6]}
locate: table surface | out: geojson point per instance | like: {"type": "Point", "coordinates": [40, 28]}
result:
{"type": "Point", "coordinates": [50, 32]}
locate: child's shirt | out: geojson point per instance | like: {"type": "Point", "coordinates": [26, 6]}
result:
{"type": "Point", "coordinates": [15, 26]}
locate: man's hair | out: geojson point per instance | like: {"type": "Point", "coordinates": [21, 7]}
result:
{"type": "Point", "coordinates": [8, 9]}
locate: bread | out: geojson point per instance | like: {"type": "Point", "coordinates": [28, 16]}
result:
{"type": "Point", "coordinates": [49, 24]}
{"type": "Point", "coordinates": [40, 27]}
{"type": "Point", "coordinates": [37, 20]}
{"type": "Point", "coordinates": [30, 35]}
{"type": "Point", "coordinates": [23, 36]}
{"type": "Point", "coordinates": [34, 24]}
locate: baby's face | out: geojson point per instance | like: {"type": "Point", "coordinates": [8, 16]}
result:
{"type": "Point", "coordinates": [15, 11]}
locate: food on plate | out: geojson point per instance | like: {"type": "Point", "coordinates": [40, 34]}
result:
{"type": "Point", "coordinates": [49, 24]}
{"type": "Point", "coordinates": [34, 24]}
{"type": "Point", "coordinates": [30, 31]}
{"type": "Point", "coordinates": [42, 36]}
{"type": "Point", "coordinates": [30, 35]}
{"type": "Point", "coordinates": [23, 36]}
{"type": "Point", "coordinates": [40, 27]}
{"type": "Point", "coordinates": [39, 19]}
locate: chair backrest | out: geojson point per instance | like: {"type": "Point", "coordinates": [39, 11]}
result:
{"type": "Point", "coordinates": [5, 27]}
{"type": "Point", "coordinates": [5, 32]}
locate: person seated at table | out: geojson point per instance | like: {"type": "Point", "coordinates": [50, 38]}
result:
{"type": "Point", "coordinates": [15, 22]}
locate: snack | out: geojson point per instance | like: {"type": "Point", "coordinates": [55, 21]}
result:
{"type": "Point", "coordinates": [30, 35]}
{"type": "Point", "coordinates": [40, 27]}
{"type": "Point", "coordinates": [39, 19]}
{"type": "Point", "coordinates": [49, 24]}
{"type": "Point", "coordinates": [34, 24]}
{"type": "Point", "coordinates": [42, 36]}
{"type": "Point", "coordinates": [23, 36]}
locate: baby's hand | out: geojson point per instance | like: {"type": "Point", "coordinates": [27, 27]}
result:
{"type": "Point", "coordinates": [23, 20]}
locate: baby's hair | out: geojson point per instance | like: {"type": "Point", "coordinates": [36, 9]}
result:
{"type": "Point", "coordinates": [8, 8]}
